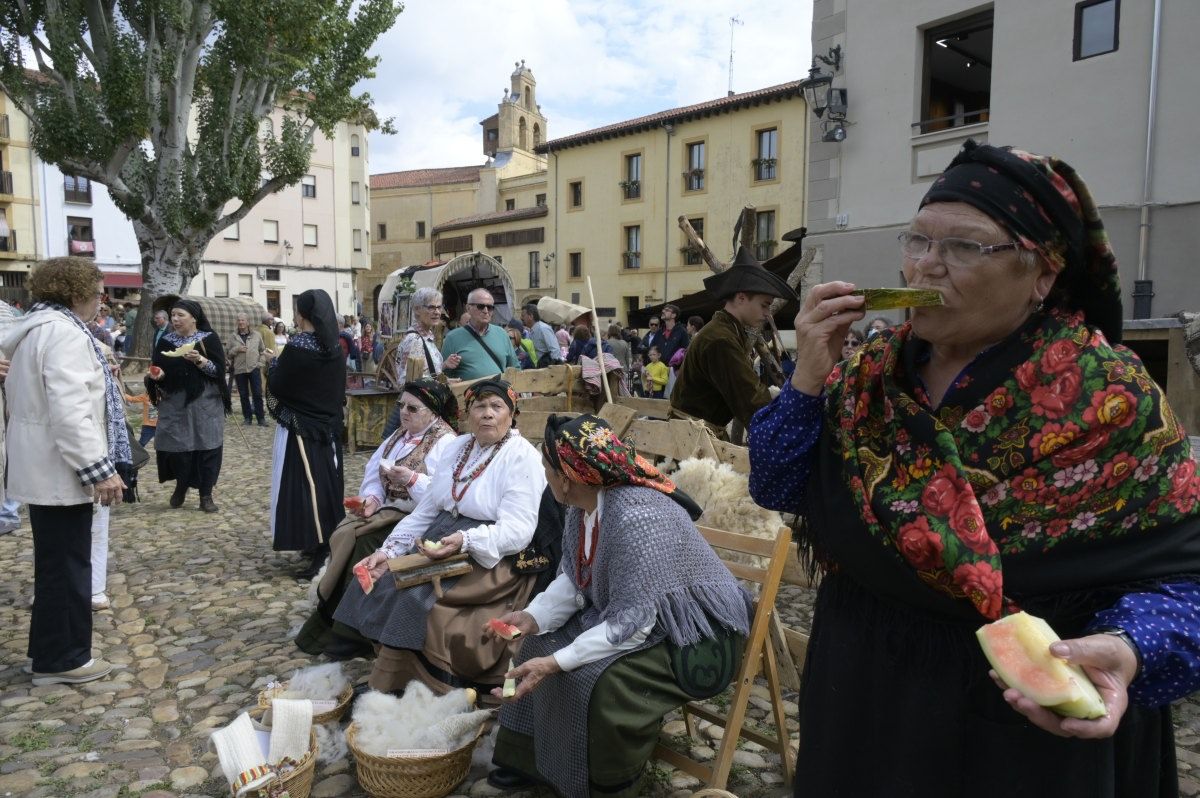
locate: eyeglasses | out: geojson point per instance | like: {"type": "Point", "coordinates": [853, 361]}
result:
{"type": "Point", "coordinates": [481, 306]}
{"type": "Point", "coordinates": [411, 408]}
{"type": "Point", "coordinates": [962, 252]}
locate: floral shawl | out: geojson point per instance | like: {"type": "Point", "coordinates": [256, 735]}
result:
{"type": "Point", "coordinates": [1052, 442]}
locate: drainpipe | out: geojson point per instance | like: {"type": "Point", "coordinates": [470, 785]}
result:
{"type": "Point", "coordinates": [670, 130]}
{"type": "Point", "coordinates": [556, 212]}
{"type": "Point", "coordinates": [1143, 288]}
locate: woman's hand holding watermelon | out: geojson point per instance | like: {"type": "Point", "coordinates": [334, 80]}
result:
{"type": "Point", "coordinates": [1109, 663]}
{"type": "Point", "coordinates": [376, 563]}
{"type": "Point", "coordinates": [522, 620]}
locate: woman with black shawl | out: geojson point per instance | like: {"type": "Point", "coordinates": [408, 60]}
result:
{"type": "Point", "coordinates": [641, 618]}
{"type": "Point", "coordinates": [192, 398]}
{"type": "Point", "coordinates": [1000, 451]}
{"type": "Point", "coordinates": [306, 391]}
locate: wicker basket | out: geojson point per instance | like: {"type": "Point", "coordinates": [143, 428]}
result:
{"type": "Point", "coordinates": [343, 703]}
{"type": "Point", "coordinates": [411, 777]}
{"type": "Point", "coordinates": [299, 781]}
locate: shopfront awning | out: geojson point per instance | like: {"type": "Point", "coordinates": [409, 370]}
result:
{"type": "Point", "coordinates": [122, 279]}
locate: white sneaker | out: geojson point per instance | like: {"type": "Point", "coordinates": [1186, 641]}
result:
{"type": "Point", "coordinates": [100, 601]}
{"type": "Point", "coordinates": [90, 671]}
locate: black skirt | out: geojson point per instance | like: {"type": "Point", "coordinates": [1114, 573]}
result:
{"type": "Point", "coordinates": [295, 526]}
{"type": "Point", "coordinates": [897, 702]}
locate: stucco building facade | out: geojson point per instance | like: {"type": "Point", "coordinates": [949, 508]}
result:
{"type": "Point", "coordinates": [1072, 79]}
{"type": "Point", "coordinates": [603, 203]}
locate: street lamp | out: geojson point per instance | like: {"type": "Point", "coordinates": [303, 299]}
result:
{"type": "Point", "coordinates": [287, 251]}
{"type": "Point", "coordinates": [823, 99]}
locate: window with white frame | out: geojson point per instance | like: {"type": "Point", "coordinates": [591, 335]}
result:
{"type": "Point", "coordinates": [233, 232]}
{"type": "Point", "coordinates": [310, 235]}
{"type": "Point", "coordinates": [356, 237]}
{"type": "Point", "coordinates": [308, 186]}
{"type": "Point", "coordinates": [355, 193]}
{"type": "Point", "coordinates": [220, 285]}
{"type": "Point", "coordinates": [270, 231]}
{"type": "Point", "coordinates": [632, 256]}
{"type": "Point", "coordinates": [245, 285]}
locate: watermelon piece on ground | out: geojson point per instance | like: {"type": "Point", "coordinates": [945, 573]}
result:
{"type": "Point", "coordinates": [1018, 647]}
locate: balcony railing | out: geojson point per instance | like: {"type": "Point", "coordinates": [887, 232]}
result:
{"type": "Point", "coordinates": [75, 195]}
{"type": "Point", "coordinates": [632, 260]}
{"type": "Point", "coordinates": [631, 188]}
{"type": "Point", "coordinates": [764, 168]}
{"type": "Point", "coordinates": [6, 183]}
{"type": "Point", "coordinates": [3, 126]}
{"type": "Point", "coordinates": [8, 243]}
{"type": "Point", "coordinates": [693, 179]}
{"type": "Point", "coordinates": [937, 123]}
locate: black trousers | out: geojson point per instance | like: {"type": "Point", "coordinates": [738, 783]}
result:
{"type": "Point", "coordinates": [60, 631]}
{"type": "Point", "coordinates": [198, 469]}
{"type": "Point", "coordinates": [247, 384]}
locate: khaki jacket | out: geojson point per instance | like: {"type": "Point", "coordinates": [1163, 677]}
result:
{"type": "Point", "coordinates": [248, 361]}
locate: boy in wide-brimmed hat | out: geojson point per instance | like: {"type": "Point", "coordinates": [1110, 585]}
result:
{"type": "Point", "coordinates": [717, 382]}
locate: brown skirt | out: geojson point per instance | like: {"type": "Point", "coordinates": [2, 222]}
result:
{"type": "Point", "coordinates": [454, 638]}
{"type": "Point", "coordinates": [343, 543]}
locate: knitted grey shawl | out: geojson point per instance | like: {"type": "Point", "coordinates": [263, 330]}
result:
{"type": "Point", "coordinates": [651, 565]}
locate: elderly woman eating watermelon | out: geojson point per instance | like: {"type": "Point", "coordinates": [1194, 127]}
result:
{"type": "Point", "coordinates": [639, 594]}
{"type": "Point", "coordinates": [1000, 455]}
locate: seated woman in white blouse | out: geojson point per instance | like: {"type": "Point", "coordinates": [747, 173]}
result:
{"type": "Point", "coordinates": [396, 477]}
{"type": "Point", "coordinates": [641, 618]}
{"type": "Point", "coordinates": [483, 500]}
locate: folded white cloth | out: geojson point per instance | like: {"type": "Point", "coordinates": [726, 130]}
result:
{"type": "Point", "coordinates": [241, 757]}
{"type": "Point", "coordinates": [291, 722]}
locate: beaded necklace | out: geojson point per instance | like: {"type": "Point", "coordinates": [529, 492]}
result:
{"type": "Point", "coordinates": [469, 479]}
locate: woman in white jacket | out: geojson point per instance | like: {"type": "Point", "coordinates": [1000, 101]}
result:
{"type": "Point", "coordinates": [66, 433]}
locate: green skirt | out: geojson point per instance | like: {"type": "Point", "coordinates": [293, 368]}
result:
{"type": "Point", "coordinates": [624, 716]}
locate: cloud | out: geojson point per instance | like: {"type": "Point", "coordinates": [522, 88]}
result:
{"type": "Point", "coordinates": [445, 66]}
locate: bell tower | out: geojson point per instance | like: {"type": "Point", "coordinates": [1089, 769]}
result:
{"type": "Point", "coordinates": [520, 124]}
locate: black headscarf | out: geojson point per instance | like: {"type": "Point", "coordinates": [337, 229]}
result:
{"type": "Point", "coordinates": [316, 306]}
{"type": "Point", "coordinates": [494, 387]}
{"type": "Point", "coordinates": [436, 397]}
{"type": "Point", "coordinates": [178, 373]}
{"type": "Point", "coordinates": [1048, 208]}
{"type": "Point", "coordinates": [306, 389]}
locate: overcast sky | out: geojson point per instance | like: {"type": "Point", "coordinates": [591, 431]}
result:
{"type": "Point", "coordinates": [446, 64]}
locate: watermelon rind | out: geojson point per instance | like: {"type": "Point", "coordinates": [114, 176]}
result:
{"type": "Point", "coordinates": [1018, 648]}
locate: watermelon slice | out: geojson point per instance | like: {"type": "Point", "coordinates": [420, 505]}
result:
{"type": "Point", "coordinates": [155, 372]}
{"type": "Point", "coordinates": [1018, 647]}
{"type": "Point", "coordinates": [505, 630]}
{"type": "Point", "coordinates": [365, 581]}
{"type": "Point", "coordinates": [354, 502]}
{"type": "Point", "coordinates": [510, 685]}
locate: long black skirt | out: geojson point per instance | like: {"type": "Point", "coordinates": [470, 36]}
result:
{"type": "Point", "coordinates": [306, 501]}
{"type": "Point", "coordinates": [895, 702]}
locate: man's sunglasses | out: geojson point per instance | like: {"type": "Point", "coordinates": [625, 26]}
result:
{"type": "Point", "coordinates": [481, 306]}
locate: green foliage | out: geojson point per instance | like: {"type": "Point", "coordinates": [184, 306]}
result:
{"type": "Point", "coordinates": [34, 739]}
{"type": "Point", "coordinates": [163, 101]}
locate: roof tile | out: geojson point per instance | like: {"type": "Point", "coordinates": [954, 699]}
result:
{"type": "Point", "coordinates": [416, 178]}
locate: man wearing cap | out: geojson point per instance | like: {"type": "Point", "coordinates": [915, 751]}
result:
{"type": "Point", "coordinates": [717, 382]}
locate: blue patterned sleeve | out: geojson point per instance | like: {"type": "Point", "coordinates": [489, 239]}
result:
{"type": "Point", "coordinates": [783, 437]}
{"type": "Point", "coordinates": [1165, 625]}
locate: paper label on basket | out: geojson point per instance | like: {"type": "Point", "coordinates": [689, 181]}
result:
{"type": "Point", "coordinates": [324, 705]}
{"type": "Point", "coordinates": [413, 753]}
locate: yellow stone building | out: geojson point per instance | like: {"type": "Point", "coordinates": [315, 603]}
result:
{"type": "Point", "coordinates": [20, 227]}
{"type": "Point", "coordinates": [619, 191]}
{"type": "Point", "coordinates": [602, 203]}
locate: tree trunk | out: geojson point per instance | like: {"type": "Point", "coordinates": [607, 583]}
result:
{"type": "Point", "coordinates": [167, 268]}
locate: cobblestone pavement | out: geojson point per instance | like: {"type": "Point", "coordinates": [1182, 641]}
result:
{"type": "Point", "coordinates": [201, 616]}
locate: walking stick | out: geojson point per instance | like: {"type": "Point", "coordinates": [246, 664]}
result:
{"type": "Point", "coordinates": [599, 343]}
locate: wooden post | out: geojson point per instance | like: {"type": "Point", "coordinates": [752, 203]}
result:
{"type": "Point", "coordinates": [599, 342]}
{"type": "Point", "coordinates": [696, 241]}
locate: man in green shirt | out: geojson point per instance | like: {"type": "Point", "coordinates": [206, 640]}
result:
{"type": "Point", "coordinates": [478, 348]}
{"type": "Point", "coordinates": [717, 381]}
